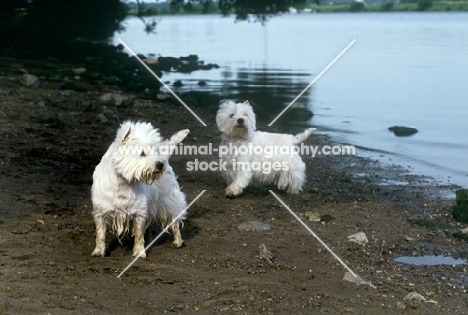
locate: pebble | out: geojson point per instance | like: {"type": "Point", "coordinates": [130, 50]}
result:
{"type": "Point", "coordinates": [78, 71]}
{"type": "Point", "coordinates": [414, 296]}
{"type": "Point", "coordinates": [162, 96]}
{"type": "Point", "coordinates": [265, 253]}
{"type": "Point", "coordinates": [313, 216]}
{"type": "Point", "coordinates": [357, 279]}
{"type": "Point", "coordinates": [3, 115]}
{"type": "Point", "coordinates": [400, 305]}
{"type": "Point", "coordinates": [29, 80]}
{"type": "Point", "coordinates": [254, 226]}
{"type": "Point", "coordinates": [465, 230]}
{"type": "Point", "coordinates": [66, 93]}
{"type": "Point", "coordinates": [150, 61]}
{"type": "Point", "coordinates": [110, 115]}
{"type": "Point", "coordinates": [359, 238]}
{"type": "Point", "coordinates": [112, 98]}
{"type": "Point", "coordinates": [101, 118]}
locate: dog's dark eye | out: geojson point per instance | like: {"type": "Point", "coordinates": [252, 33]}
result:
{"type": "Point", "coordinates": [143, 153]}
{"type": "Point", "coordinates": [232, 115]}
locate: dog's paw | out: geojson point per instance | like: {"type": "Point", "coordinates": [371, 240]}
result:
{"type": "Point", "coordinates": [98, 252]}
{"type": "Point", "coordinates": [142, 254]}
{"type": "Point", "coordinates": [178, 244]}
{"type": "Point", "coordinates": [233, 191]}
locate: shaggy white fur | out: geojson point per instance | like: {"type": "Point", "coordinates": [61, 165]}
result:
{"type": "Point", "coordinates": [237, 123]}
{"type": "Point", "coordinates": [134, 186]}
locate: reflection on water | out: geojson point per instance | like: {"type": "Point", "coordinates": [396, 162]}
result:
{"type": "Point", "coordinates": [267, 90]}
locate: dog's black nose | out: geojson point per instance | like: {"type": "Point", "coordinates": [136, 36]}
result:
{"type": "Point", "coordinates": [159, 166]}
{"type": "Point", "coordinates": [240, 121]}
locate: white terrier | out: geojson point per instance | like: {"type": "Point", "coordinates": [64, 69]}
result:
{"type": "Point", "coordinates": [237, 124]}
{"type": "Point", "coordinates": [134, 185]}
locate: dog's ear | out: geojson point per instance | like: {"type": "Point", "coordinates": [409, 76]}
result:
{"type": "Point", "coordinates": [178, 137]}
{"type": "Point", "coordinates": [227, 103]}
{"type": "Point", "coordinates": [127, 134]}
{"type": "Point", "coordinates": [247, 103]}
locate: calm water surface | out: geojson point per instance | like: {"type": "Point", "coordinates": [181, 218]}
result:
{"type": "Point", "coordinates": [407, 69]}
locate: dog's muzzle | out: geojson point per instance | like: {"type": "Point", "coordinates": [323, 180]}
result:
{"type": "Point", "coordinates": [150, 176]}
{"type": "Point", "coordinates": [240, 123]}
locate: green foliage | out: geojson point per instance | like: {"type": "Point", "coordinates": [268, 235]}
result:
{"type": "Point", "coordinates": [387, 6]}
{"type": "Point", "coordinates": [461, 196]}
{"type": "Point", "coordinates": [262, 10]}
{"type": "Point", "coordinates": [357, 6]}
{"type": "Point", "coordinates": [423, 5]}
{"type": "Point", "coordinates": [461, 236]}
{"type": "Point", "coordinates": [209, 7]}
{"type": "Point", "coordinates": [460, 211]}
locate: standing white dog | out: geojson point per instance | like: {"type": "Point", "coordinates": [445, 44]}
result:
{"type": "Point", "coordinates": [247, 156]}
{"type": "Point", "coordinates": [134, 185]}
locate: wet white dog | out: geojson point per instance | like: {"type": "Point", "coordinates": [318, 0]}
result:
{"type": "Point", "coordinates": [237, 124]}
{"type": "Point", "coordinates": [134, 186]}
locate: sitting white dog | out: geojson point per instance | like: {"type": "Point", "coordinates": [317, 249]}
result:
{"type": "Point", "coordinates": [245, 151]}
{"type": "Point", "coordinates": [134, 185]}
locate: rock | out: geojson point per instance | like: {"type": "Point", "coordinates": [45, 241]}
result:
{"type": "Point", "coordinates": [401, 131]}
{"type": "Point", "coordinates": [40, 104]}
{"type": "Point", "coordinates": [162, 96]}
{"type": "Point", "coordinates": [325, 218]}
{"type": "Point", "coordinates": [265, 253]}
{"type": "Point", "coordinates": [3, 115]}
{"type": "Point", "coordinates": [464, 231]}
{"type": "Point", "coordinates": [66, 93]}
{"type": "Point", "coordinates": [313, 216]}
{"type": "Point", "coordinates": [29, 80]}
{"type": "Point", "coordinates": [299, 111]}
{"type": "Point", "coordinates": [414, 296]}
{"type": "Point", "coordinates": [357, 279]}
{"type": "Point", "coordinates": [110, 115]}
{"type": "Point", "coordinates": [150, 61]}
{"type": "Point", "coordinates": [359, 238]}
{"type": "Point", "coordinates": [254, 226]}
{"type": "Point", "coordinates": [79, 71]}
{"type": "Point", "coordinates": [112, 99]}
{"type": "Point", "coordinates": [102, 119]}
{"type": "Point", "coordinates": [400, 305]}
{"type": "Point", "coordinates": [298, 105]}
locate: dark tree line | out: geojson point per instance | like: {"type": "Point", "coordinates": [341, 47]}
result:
{"type": "Point", "coordinates": [46, 24]}
{"type": "Point", "coordinates": [41, 24]}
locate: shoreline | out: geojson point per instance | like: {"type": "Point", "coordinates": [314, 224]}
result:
{"type": "Point", "coordinates": [51, 141]}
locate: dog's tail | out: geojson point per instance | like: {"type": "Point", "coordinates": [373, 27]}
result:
{"type": "Point", "coordinates": [301, 137]}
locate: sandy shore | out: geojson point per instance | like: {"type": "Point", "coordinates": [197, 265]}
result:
{"type": "Point", "coordinates": [51, 141]}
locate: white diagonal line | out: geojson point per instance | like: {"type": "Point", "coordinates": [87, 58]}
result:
{"type": "Point", "coordinates": [163, 231]}
{"type": "Point", "coordinates": [314, 235]}
{"type": "Point", "coordinates": [162, 82]}
{"type": "Point", "coordinates": [313, 81]}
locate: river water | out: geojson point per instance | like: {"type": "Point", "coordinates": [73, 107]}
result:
{"type": "Point", "coordinates": [408, 69]}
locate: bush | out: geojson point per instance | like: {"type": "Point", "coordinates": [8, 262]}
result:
{"type": "Point", "coordinates": [387, 6]}
{"type": "Point", "coordinates": [423, 5]}
{"type": "Point", "coordinates": [460, 211]}
{"type": "Point", "coordinates": [357, 6]}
